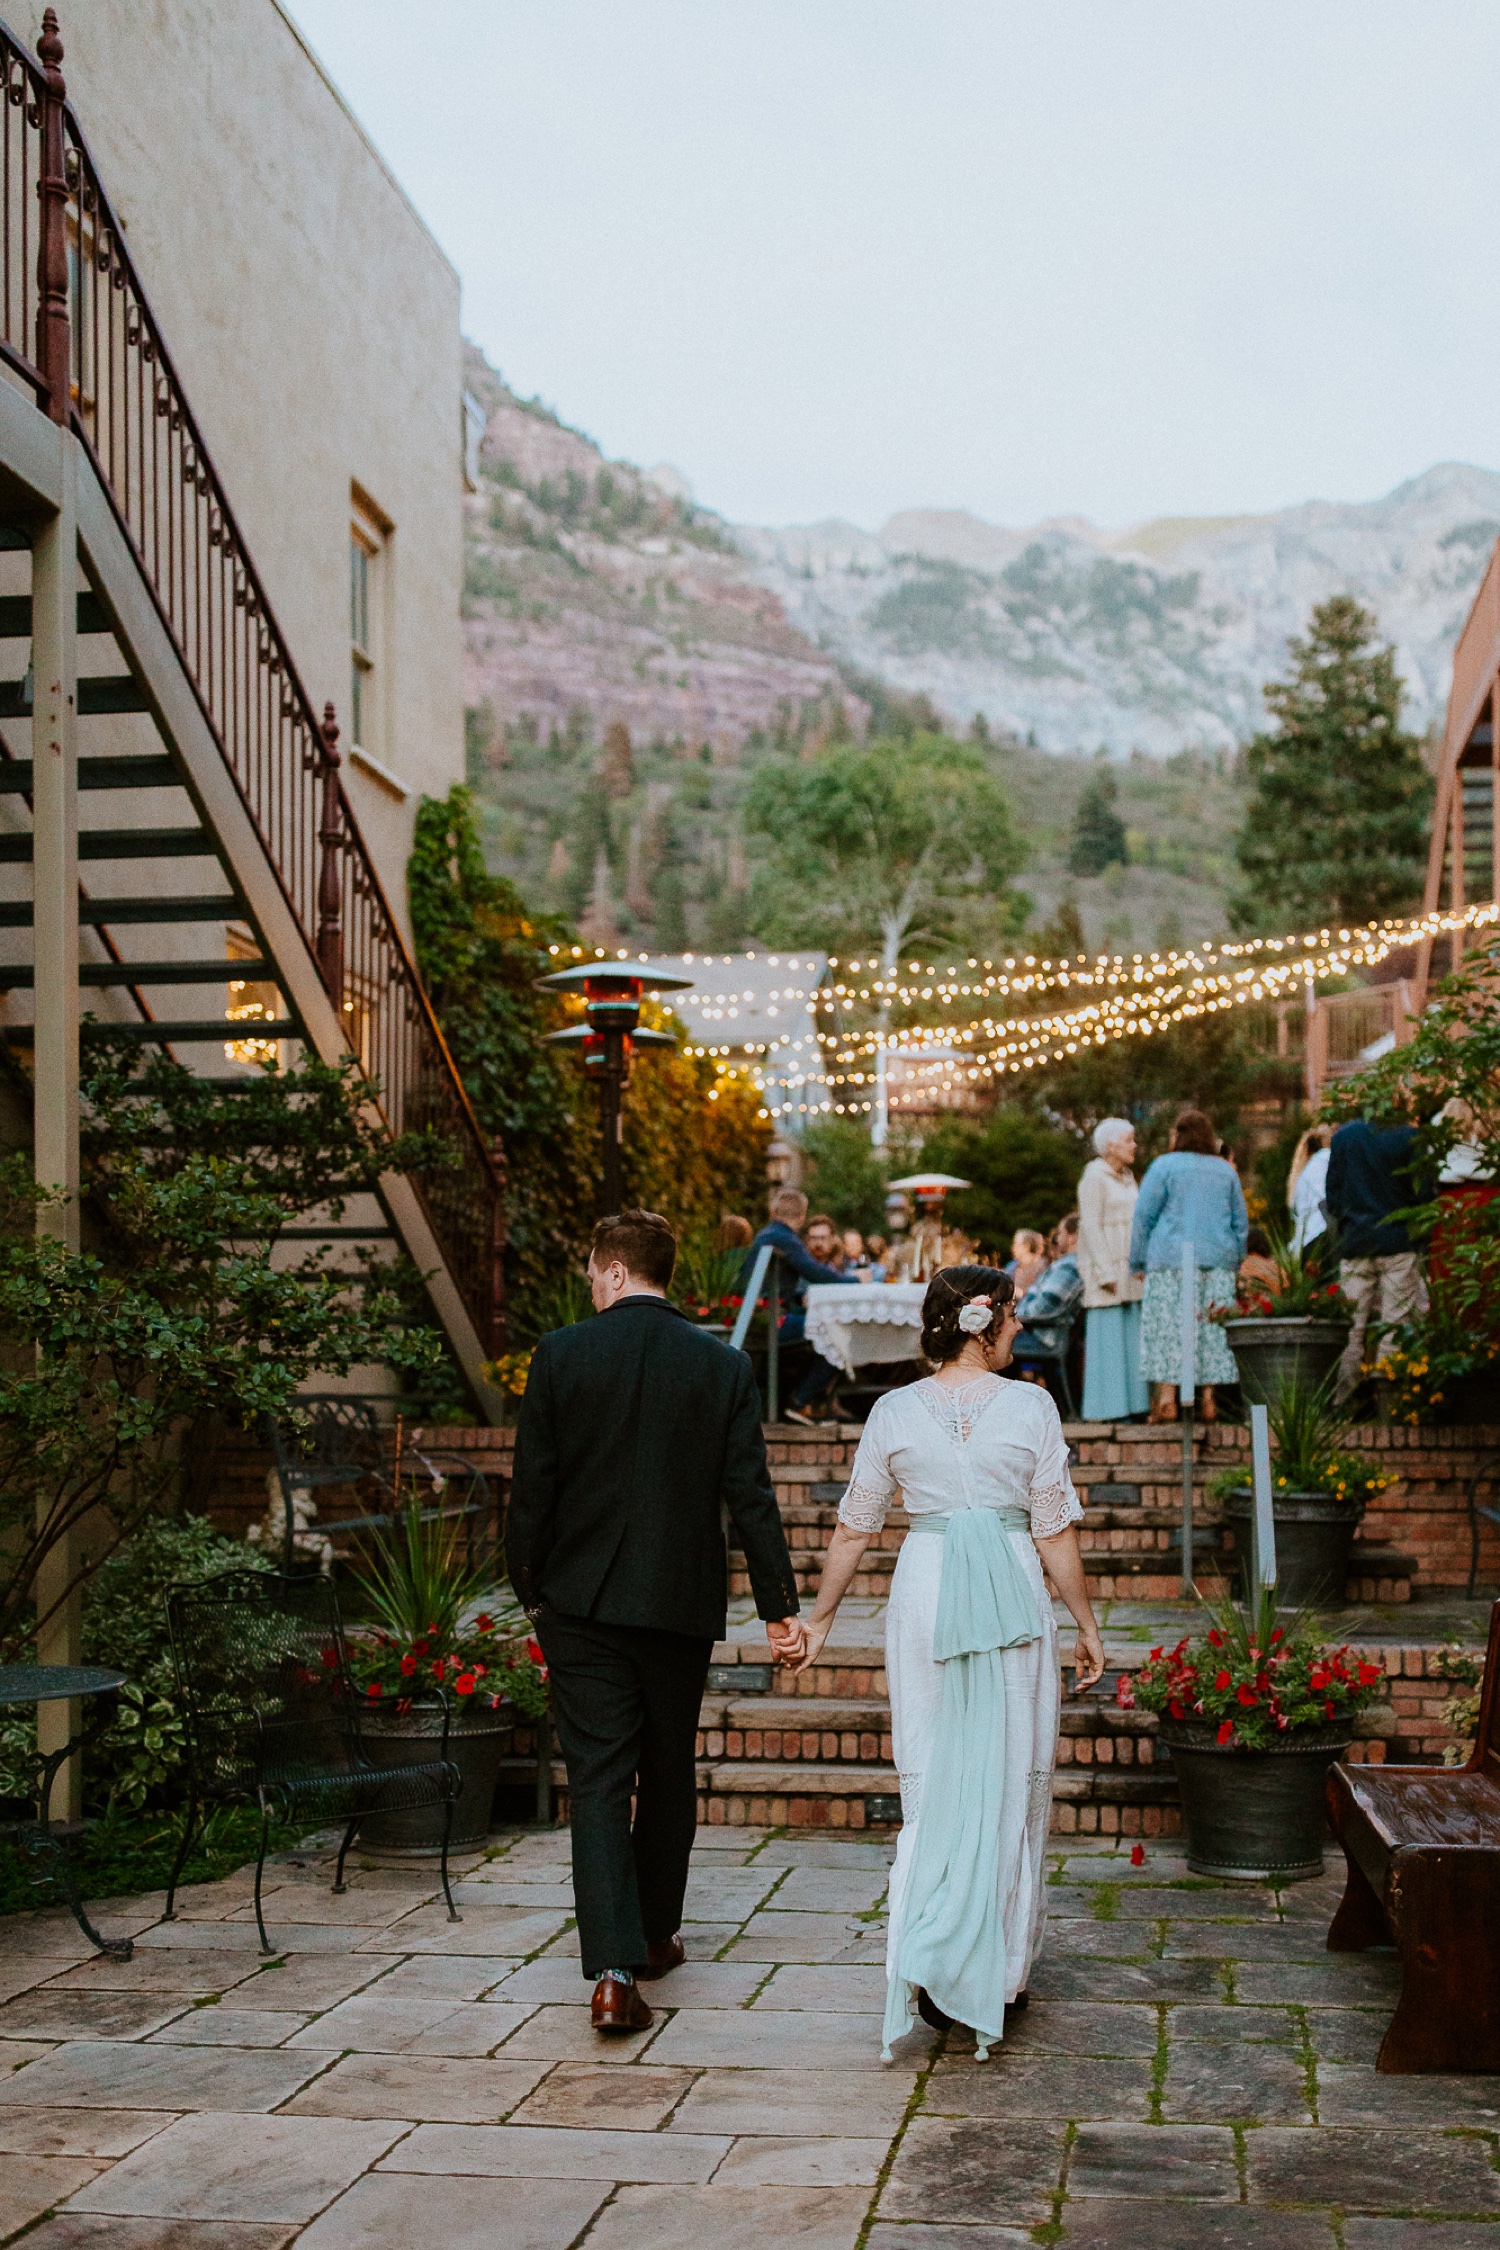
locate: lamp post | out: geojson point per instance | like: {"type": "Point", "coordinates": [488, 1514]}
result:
{"type": "Point", "coordinates": [613, 992]}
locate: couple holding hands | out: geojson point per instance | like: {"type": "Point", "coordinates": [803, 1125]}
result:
{"type": "Point", "coordinates": [638, 1433]}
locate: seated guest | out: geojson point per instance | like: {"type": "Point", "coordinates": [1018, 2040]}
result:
{"type": "Point", "coordinates": [800, 1265]}
{"type": "Point", "coordinates": [875, 1248]}
{"type": "Point", "coordinates": [733, 1232]}
{"type": "Point", "coordinates": [823, 1241]}
{"type": "Point", "coordinates": [851, 1251]}
{"type": "Point", "coordinates": [1028, 1259]}
{"type": "Point", "coordinates": [1049, 1309]}
{"type": "Point", "coordinates": [1258, 1268]}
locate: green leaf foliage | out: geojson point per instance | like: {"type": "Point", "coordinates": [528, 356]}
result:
{"type": "Point", "coordinates": [1024, 1170]}
{"type": "Point", "coordinates": [694, 1142]}
{"type": "Point", "coordinates": [887, 844]}
{"type": "Point", "coordinates": [1098, 831]}
{"type": "Point", "coordinates": [1335, 827]}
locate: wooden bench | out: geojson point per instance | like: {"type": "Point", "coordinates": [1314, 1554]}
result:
{"type": "Point", "coordinates": [1423, 1847]}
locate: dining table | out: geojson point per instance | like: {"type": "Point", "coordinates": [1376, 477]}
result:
{"type": "Point", "coordinates": [865, 1323]}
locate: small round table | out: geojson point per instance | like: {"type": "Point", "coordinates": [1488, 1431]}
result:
{"type": "Point", "coordinates": [62, 1683]}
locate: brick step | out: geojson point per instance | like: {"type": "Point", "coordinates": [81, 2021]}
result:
{"type": "Point", "coordinates": [809, 1730]}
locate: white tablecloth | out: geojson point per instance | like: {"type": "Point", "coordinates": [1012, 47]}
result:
{"type": "Point", "coordinates": [865, 1323]}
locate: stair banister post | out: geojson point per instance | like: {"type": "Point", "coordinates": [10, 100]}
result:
{"type": "Point", "coordinates": [330, 886]}
{"type": "Point", "coordinates": [54, 754]}
{"type": "Point", "coordinates": [52, 343]}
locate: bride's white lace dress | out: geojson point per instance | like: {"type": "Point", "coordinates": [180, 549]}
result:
{"type": "Point", "coordinates": [995, 1444]}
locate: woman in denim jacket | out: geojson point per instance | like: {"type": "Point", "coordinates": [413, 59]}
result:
{"type": "Point", "coordinates": [1190, 1195]}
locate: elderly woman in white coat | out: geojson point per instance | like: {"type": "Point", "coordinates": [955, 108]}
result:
{"type": "Point", "coordinates": [1113, 1386]}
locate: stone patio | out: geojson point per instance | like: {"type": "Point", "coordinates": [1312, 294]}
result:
{"type": "Point", "coordinates": [1194, 2071]}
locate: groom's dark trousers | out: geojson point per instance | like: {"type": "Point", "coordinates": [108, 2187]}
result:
{"type": "Point", "coordinates": [638, 1433]}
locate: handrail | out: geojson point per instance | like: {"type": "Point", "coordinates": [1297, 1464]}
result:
{"type": "Point", "coordinates": [742, 1318]}
{"type": "Point", "coordinates": [99, 361]}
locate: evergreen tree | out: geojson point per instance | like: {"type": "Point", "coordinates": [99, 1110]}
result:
{"type": "Point", "coordinates": [1098, 831]}
{"type": "Point", "coordinates": [616, 764]}
{"type": "Point", "coordinates": [1335, 828]}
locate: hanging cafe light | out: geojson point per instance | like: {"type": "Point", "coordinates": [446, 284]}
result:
{"type": "Point", "coordinates": [612, 992]}
{"type": "Point", "coordinates": [1139, 997]}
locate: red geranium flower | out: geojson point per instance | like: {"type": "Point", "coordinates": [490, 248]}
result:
{"type": "Point", "coordinates": [1368, 1674]}
{"type": "Point", "coordinates": [374, 1690]}
{"type": "Point", "coordinates": [1221, 1680]}
{"type": "Point", "coordinates": [484, 1623]}
{"type": "Point", "coordinates": [408, 1665]}
{"type": "Point", "coordinates": [1216, 1640]}
{"type": "Point", "coordinates": [1226, 1731]}
{"type": "Point", "coordinates": [1248, 1697]}
{"type": "Point", "coordinates": [534, 1651]}
{"type": "Point", "coordinates": [465, 1684]}
{"type": "Point", "coordinates": [1125, 1693]}
{"type": "Point", "coordinates": [331, 1658]}
{"type": "Point", "coordinates": [1328, 1707]}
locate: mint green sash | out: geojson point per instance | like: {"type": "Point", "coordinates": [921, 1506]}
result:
{"type": "Point", "coordinates": [952, 1939]}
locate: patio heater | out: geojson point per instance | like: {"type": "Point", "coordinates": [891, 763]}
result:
{"type": "Point", "coordinates": [607, 1040]}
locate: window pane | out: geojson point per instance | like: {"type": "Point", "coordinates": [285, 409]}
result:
{"type": "Point", "coordinates": [356, 706]}
{"type": "Point", "coordinates": [359, 595]}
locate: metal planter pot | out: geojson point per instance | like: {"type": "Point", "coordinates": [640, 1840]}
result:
{"type": "Point", "coordinates": [1269, 1353]}
{"type": "Point", "coordinates": [1314, 1536]}
{"type": "Point", "coordinates": [477, 1741]}
{"type": "Point", "coordinates": [1252, 1816]}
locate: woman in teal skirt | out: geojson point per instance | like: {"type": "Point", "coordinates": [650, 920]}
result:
{"type": "Point", "coordinates": [1189, 1195]}
{"type": "Point", "coordinates": [1114, 1388]}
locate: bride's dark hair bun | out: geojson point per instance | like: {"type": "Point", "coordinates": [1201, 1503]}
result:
{"type": "Point", "coordinates": [947, 1294]}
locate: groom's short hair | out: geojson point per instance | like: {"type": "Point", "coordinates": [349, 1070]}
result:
{"type": "Point", "coordinates": [642, 1241]}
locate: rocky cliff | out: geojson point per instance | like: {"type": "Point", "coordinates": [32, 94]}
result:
{"type": "Point", "coordinates": [1157, 637]}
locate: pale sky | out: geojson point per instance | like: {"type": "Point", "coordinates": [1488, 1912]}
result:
{"type": "Point", "coordinates": [1114, 258]}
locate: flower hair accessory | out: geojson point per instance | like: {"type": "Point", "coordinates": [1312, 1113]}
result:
{"type": "Point", "coordinates": [974, 1317]}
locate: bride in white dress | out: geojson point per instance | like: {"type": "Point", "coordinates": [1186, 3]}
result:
{"type": "Point", "coordinates": [981, 1465]}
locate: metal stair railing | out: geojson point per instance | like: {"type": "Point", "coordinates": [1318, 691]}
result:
{"type": "Point", "coordinates": [79, 329]}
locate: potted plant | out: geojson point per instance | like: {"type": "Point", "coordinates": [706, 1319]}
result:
{"type": "Point", "coordinates": [1319, 1492]}
{"type": "Point", "coordinates": [706, 1286]}
{"type": "Point", "coordinates": [1253, 1714]}
{"type": "Point", "coordinates": [433, 1660]}
{"type": "Point", "coordinates": [1290, 1330]}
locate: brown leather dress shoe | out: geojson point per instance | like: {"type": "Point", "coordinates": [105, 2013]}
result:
{"type": "Point", "coordinates": [619, 2007]}
{"type": "Point", "coordinates": [663, 1954]}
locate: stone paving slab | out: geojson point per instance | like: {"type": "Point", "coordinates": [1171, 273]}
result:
{"type": "Point", "coordinates": [543, 2152]}
{"type": "Point", "coordinates": [238, 2167]}
{"type": "Point", "coordinates": [30, 2185]}
{"type": "Point", "coordinates": [1144, 2225]}
{"type": "Point", "coordinates": [661, 2218]}
{"type": "Point", "coordinates": [981, 2169]}
{"type": "Point", "coordinates": [178, 2078]}
{"type": "Point", "coordinates": [75, 2230]}
{"type": "Point", "coordinates": [437, 2089]}
{"type": "Point", "coordinates": [1444, 2174]}
{"type": "Point", "coordinates": [78, 2132]}
{"type": "Point", "coordinates": [1195, 2162]}
{"type": "Point", "coordinates": [389, 2211]}
{"type": "Point", "coordinates": [1194, 2072]}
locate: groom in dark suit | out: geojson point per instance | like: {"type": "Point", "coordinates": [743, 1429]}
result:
{"type": "Point", "coordinates": [636, 1433]}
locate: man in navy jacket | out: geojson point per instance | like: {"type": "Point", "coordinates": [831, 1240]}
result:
{"type": "Point", "coordinates": [788, 1212]}
{"type": "Point", "coordinates": [1370, 1178]}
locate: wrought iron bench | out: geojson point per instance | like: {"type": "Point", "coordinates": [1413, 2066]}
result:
{"type": "Point", "coordinates": [273, 1718]}
{"type": "Point", "coordinates": [1423, 1847]}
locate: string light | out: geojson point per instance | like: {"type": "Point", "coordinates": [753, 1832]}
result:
{"type": "Point", "coordinates": [1139, 1005]}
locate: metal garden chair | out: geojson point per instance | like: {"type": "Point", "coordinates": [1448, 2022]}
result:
{"type": "Point", "coordinates": [273, 1717]}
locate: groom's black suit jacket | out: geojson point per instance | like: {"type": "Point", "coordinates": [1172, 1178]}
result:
{"type": "Point", "coordinates": [636, 1432]}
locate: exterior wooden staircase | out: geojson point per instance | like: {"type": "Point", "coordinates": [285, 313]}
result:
{"type": "Point", "coordinates": [179, 809]}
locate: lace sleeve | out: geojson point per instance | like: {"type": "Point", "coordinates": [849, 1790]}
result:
{"type": "Point", "coordinates": [1053, 1502]}
{"type": "Point", "coordinates": [871, 1485]}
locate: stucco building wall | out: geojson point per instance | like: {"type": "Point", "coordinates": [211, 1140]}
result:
{"type": "Point", "coordinates": [315, 324]}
